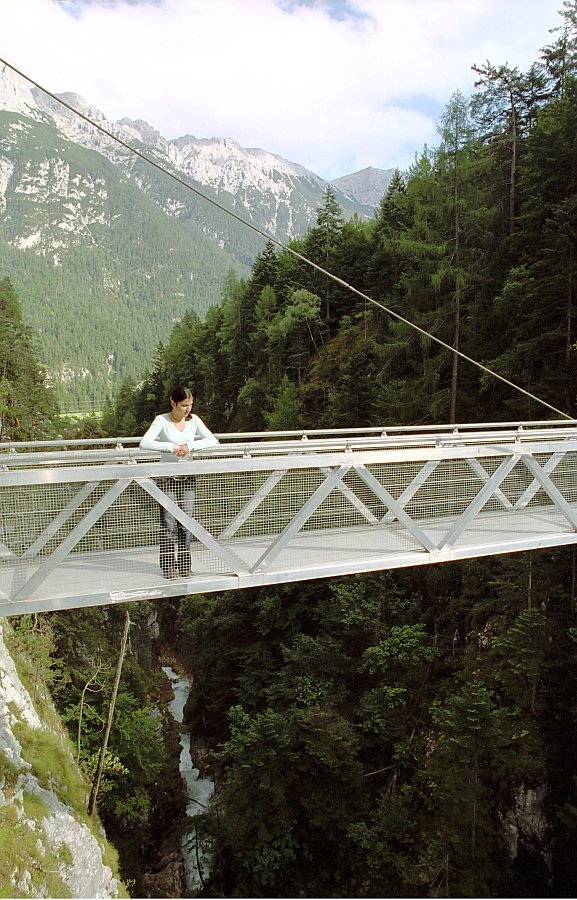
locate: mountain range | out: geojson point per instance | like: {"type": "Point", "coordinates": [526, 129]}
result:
{"type": "Point", "coordinates": [107, 247]}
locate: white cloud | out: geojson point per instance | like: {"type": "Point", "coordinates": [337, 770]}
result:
{"type": "Point", "coordinates": [334, 93]}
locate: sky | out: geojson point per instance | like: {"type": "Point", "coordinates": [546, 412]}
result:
{"type": "Point", "coordinates": [335, 85]}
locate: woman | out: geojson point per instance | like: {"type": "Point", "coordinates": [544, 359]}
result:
{"type": "Point", "coordinates": [174, 435]}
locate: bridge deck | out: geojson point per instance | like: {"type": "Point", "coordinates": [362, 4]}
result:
{"type": "Point", "coordinates": [73, 536]}
{"type": "Point", "coordinates": [92, 579]}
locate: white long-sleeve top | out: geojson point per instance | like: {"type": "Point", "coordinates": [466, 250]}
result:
{"type": "Point", "coordinates": [163, 434]}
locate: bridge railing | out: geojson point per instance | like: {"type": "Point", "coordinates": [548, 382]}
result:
{"type": "Point", "coordinates": [381, 436]}
{"type": "Point", "coordinates": [81, 525]}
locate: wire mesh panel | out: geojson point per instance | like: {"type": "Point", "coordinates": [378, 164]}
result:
{"type": "Point", "coordinates": [36, 519]}
{"type": "Point", "coordinates": [561, 469]}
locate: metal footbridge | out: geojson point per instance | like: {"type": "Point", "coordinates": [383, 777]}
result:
{"type": "Point", "coordinates": [79, 521]}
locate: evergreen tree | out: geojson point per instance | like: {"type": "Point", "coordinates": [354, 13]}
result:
{"type": "Point", "coordinates": [537, 302]}
{"type": "Point", "coordinates": [501, 112]}
{"type": "Point", "coordinates": [559, 59]}
{"type": "Point", "coordinates": [320, 246]}
{"type": "Point", "coordinates": [464, 205]}
{"type": "Point", "coordinates": [151, 395]}
{"type": "Point", "coordinates": [28, 408]}
{"type": "Point", "coordinates": [285, 409]}
{"type": "Point", "coordinates": [120, 420]}
{"type": "Point", "coordinates": [385, 262]}
{"type": "Point", "coordinates": [463, 854]}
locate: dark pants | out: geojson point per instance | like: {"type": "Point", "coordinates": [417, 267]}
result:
{"type": "Point", "coordinates": [175, 539]}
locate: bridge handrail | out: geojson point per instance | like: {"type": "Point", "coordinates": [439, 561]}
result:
{"type": "Point", "coordinates": [245, 457]}
{"type": "Point", "coordinates": [309, 433]}
{"type": "Point", "coordinates": [18, 455]}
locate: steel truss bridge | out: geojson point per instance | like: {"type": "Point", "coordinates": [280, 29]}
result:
{"type": "Point", "coordinates": [79, 522]}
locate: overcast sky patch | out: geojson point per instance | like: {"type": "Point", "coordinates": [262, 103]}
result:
{"type": "Point", "coordinates": [335, 85]}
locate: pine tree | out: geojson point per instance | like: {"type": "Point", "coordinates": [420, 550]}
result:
{"type": "Point", "coordinates": [537, 302]}
{"type": "Point", "coordinates": [459, 169]}
{"type": "Point", "coordinates": [285, 408]}
{"type": "Point", "coordinates": [320, 246]}
{"type": "Point", "coordinates": [28, 408]}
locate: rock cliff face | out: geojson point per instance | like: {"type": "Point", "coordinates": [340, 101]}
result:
{"type": "Point", "coordinates": [47, 846]}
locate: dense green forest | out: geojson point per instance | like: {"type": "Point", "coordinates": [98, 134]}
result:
{"type": "Point", "coordinates": [408, 733]}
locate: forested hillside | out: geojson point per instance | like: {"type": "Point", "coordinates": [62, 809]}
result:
{"type": "Point", "coordinates": [101, 271]}
{"type": "Point", "coordinates": [408, 733]}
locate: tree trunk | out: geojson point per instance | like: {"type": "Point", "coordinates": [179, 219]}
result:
{"type": "Point", "coordinates": [100, 766]}
{"type": "Point", "coordinates": [86, 688]}
{"type": "Point", "coordinates": [513, 181]}
{"type": "Point", "coordinates": [457, 321]}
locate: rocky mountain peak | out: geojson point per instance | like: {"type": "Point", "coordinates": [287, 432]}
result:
{"type": "Point", "coordinates": [366, 186]}
{"type": "Point", "coordinates": [15, 93]}
{"type": "Point", "coordinates": [148, 134]}
{"type": "Point", "coordinates": [224, 163]}
{"type": "Point", "coordinates": [82, 105]}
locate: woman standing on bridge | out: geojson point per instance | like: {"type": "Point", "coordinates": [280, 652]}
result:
{"type": "Point", "coordinates": [175, 435]}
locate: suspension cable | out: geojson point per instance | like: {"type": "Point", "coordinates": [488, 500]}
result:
{"type": "Point", "coordinates": [279, 243]}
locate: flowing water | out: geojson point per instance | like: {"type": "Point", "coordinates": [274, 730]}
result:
{"type": "Point", "coordinates": [196, 854]}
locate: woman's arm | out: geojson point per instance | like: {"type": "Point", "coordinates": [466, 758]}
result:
{"type": "Point", "coordinates": [149, 440]}
{"type": "Point", "coordinates": [202, 437]}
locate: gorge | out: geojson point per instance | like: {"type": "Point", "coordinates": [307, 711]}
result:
{"type": "Point", "coordinates": [199, 790]}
